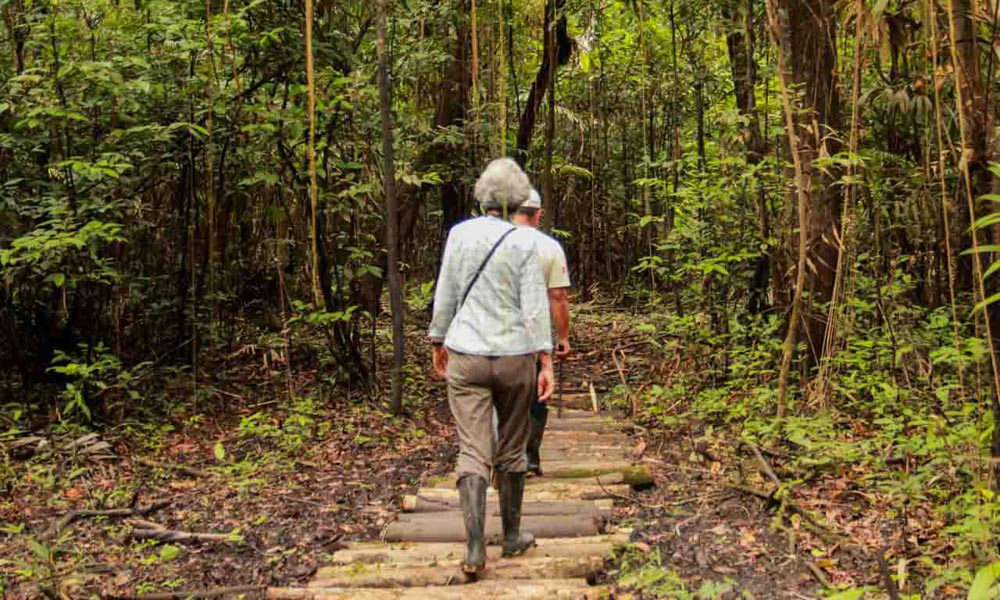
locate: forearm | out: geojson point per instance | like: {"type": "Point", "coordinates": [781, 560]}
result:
{"type": "Point", "coordinates": [560, 318]}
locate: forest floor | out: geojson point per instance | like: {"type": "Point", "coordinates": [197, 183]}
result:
{"type": "Point", "coordinates": [283, 484]}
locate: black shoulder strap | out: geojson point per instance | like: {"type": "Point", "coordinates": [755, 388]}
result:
{"type": "Point", "coordinates": [483, 264]}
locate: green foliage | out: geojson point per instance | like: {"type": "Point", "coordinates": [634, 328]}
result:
{"type": "Point", "coordinates": [92, 372]}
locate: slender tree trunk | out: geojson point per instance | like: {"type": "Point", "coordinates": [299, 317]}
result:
{"type": "Point", "coordinates": [391, 215]}
{"type": "Point", "coordinates": [558, 35]}
{"type": "Point", "coordinates": [741, 42]}
{"type": "Point", "coordinates": [550, 117]}
{"type": "Point", "coordinates": [318, 296]}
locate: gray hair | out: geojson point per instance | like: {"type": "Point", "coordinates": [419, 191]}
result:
{"type": "Point", "coordinates": [502, 184]}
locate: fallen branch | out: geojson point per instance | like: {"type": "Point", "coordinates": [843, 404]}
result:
{"type": "Point", "coordinates": [883, 570]}
{"type": "Point", "coordinates": [828, 533]}
{"type": "Point", "coordinates": [762, 465]}
{"type": "Point", "coordinates": [74, 515]}
{"type": "Point", "coordinates": [172, 535]}
{"type": "Point", "coordinates": [818, 574]}
{"type": "Point", "coordinates": [142, 524]}
{"type": "Point", "coordinates": [209, 593]}
{"type": "Point", "coordinates": [189, 471]}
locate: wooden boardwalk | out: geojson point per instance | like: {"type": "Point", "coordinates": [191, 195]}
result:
{"type": "Point", "coordinates": [587, 462]}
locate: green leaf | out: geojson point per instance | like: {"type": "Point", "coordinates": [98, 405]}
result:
{"type": "Point", "coordinates": [40, 550]}
{"type": "Point", "coordinates": [169, 552]}
{"type": "Point", "coordinates": [987, 302]}
{"type": "Point", "coordinates": [987, 220]}
{"type": "Point", "coordinates": [982, 249]}
{"type": "Point", "coordinates": [59, 279]}
{"type": "Point", "coordinates": [983, 587]}
{"type": "Point", "coordinates": [220, 452]}
{"type": "Point", "coordinates": [851, 594]}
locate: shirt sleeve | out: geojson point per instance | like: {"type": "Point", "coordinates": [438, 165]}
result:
{"type": "Point", "coordinates": [535, 305]}
{"type": "Point", "coordinates": [558, 275]}
{"type": "Point", "coordinates": [445, 293]}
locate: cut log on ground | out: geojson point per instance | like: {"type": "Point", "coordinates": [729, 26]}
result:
{"type": "Point", "coordinates": [422, 504]}
{"type": "Point", "coordinates": [386, 575]}
{"type": "Point", "coordinates": [572, 476]}
{"type": "Point", "coordinates": [449, 527]}
{"type": "Point", "coordinates": [490, 589]}
{"type": "Point", "coordinates": [632, 474]}
{"type": "Point", "coordinates": [576, 400]}
{"type": "Point", "coordinates": [429, 554]}
{"type": "Point", "coordinates": [541, 491]}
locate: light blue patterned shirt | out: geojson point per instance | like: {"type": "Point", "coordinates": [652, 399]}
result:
{"type": "Point", "coordinates": [507, 311]}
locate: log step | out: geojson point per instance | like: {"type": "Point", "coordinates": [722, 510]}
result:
{"type": "Point", "coordinates": [538, 490]}
{"type": "Point", "coordinates": [418, 504]}
{"type": "Point", "coordinates": [563, 480]}
{"type": "Point", "coordinates": [431, 554]}
{"type": "Point", "coordinates": [489, 589]}
{"type": "Point", "coordinates": [449, 527]}
{"type": "Point", "coordinates": [594, 473]}
{"type": "Point", "coordinates": [385, 575]}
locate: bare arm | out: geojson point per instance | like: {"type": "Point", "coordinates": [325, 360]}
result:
{"type": "Point", "coordinates": [559, 305]}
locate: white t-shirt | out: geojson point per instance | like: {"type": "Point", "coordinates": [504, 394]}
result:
{"type": "Point", "coordinates": [552, 259]}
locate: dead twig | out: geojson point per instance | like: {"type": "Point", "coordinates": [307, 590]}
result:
{"type": "Point", "coordinates": [181, 537]}
{"type": "Point", "coordinates": [73, 515]}
{"type": "Point", "coordinates": [818, 574]}
{"type": "Point", "coordinates": [192, 472]}
{"type": "Point", "coordinates": [890, 584]}
{"type": "Point", "coordinates": [762, 465]}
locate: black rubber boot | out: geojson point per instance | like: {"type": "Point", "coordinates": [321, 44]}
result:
{"type": "Point", "coordinates": [515, 541]}
{"type": "Point", "coordinates": [472, 493]}
{"type": "Point", "coordinates": [538, 415]}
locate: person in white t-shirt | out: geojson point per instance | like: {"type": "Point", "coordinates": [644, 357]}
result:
{"type": "Point", "coordinates": [552, 259]}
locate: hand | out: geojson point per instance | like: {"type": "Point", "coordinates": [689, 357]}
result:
{"type": "Point", "coordinates": [563, 349]}
{"type": "Point", "coordinates": [441, 362]}
{"type": "Point", "coordinates": [546, 380]}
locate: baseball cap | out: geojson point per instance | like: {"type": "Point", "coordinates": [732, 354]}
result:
{"type": "Point", "coordinates": [534, 200]}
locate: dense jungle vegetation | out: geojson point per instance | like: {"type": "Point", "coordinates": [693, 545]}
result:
{"type": "Point", "coordinates": [795, 200]}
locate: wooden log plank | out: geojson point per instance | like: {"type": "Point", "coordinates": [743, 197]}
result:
{"type": "Point", "coordinates": [448, 527]}
{"type": "Point", "coordinates": [562, 478]}
{"type": "Point", "coordinates": [432, 553]}
{"type": "Point", "coordinates": [445, 573]}
{"type": "Point", "coordinates": [575, 400]}
{"type": "Point", "coordinates": [490, 589]}
{"type": "Point", "coordinates": [416, 503]}
{"type": "Point", "coordinates": [541, 490]}
{"type": "Point", "coordinates": [631, 474]}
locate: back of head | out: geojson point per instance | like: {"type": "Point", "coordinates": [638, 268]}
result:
{"type": "Point", "coordinates": [502, 184]}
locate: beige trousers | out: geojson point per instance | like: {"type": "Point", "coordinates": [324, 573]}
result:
{"type": "Point", "coordinates": [477, 384]}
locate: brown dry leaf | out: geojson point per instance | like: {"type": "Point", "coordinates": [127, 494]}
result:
{"type": "Point", "coordinates": [747, 537]}
{"type": "Point", "coordinates": [640, 448]}
{"type": "Point", "coordinates": [642, 546]}
{"type": "Point", "coordinates": [74, 493]}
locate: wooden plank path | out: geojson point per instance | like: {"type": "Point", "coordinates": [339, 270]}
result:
{"type": "Point", "coordinates": [587, 463]}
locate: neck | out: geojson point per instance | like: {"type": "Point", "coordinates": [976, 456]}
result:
{"type": "Point", "coordinates": [495, 212]}
{"type": "Point", "coordinates": [520, 219]}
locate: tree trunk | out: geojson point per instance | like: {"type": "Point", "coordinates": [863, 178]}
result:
{"type": "Point", "coordinates": [811, 35]}
{"type": "Point", "coordinates": [391, 216]}
{"type": "Point", "coordinates": [563, 50]}
{"type": "Point", "coordinates": [741, 42]}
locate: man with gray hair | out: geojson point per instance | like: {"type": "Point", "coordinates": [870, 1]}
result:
{"type": "Point", "coordinates": [491, 323]}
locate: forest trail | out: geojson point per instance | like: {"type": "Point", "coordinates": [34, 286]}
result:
{"type": "Point", "coordinates": [569, 509]}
